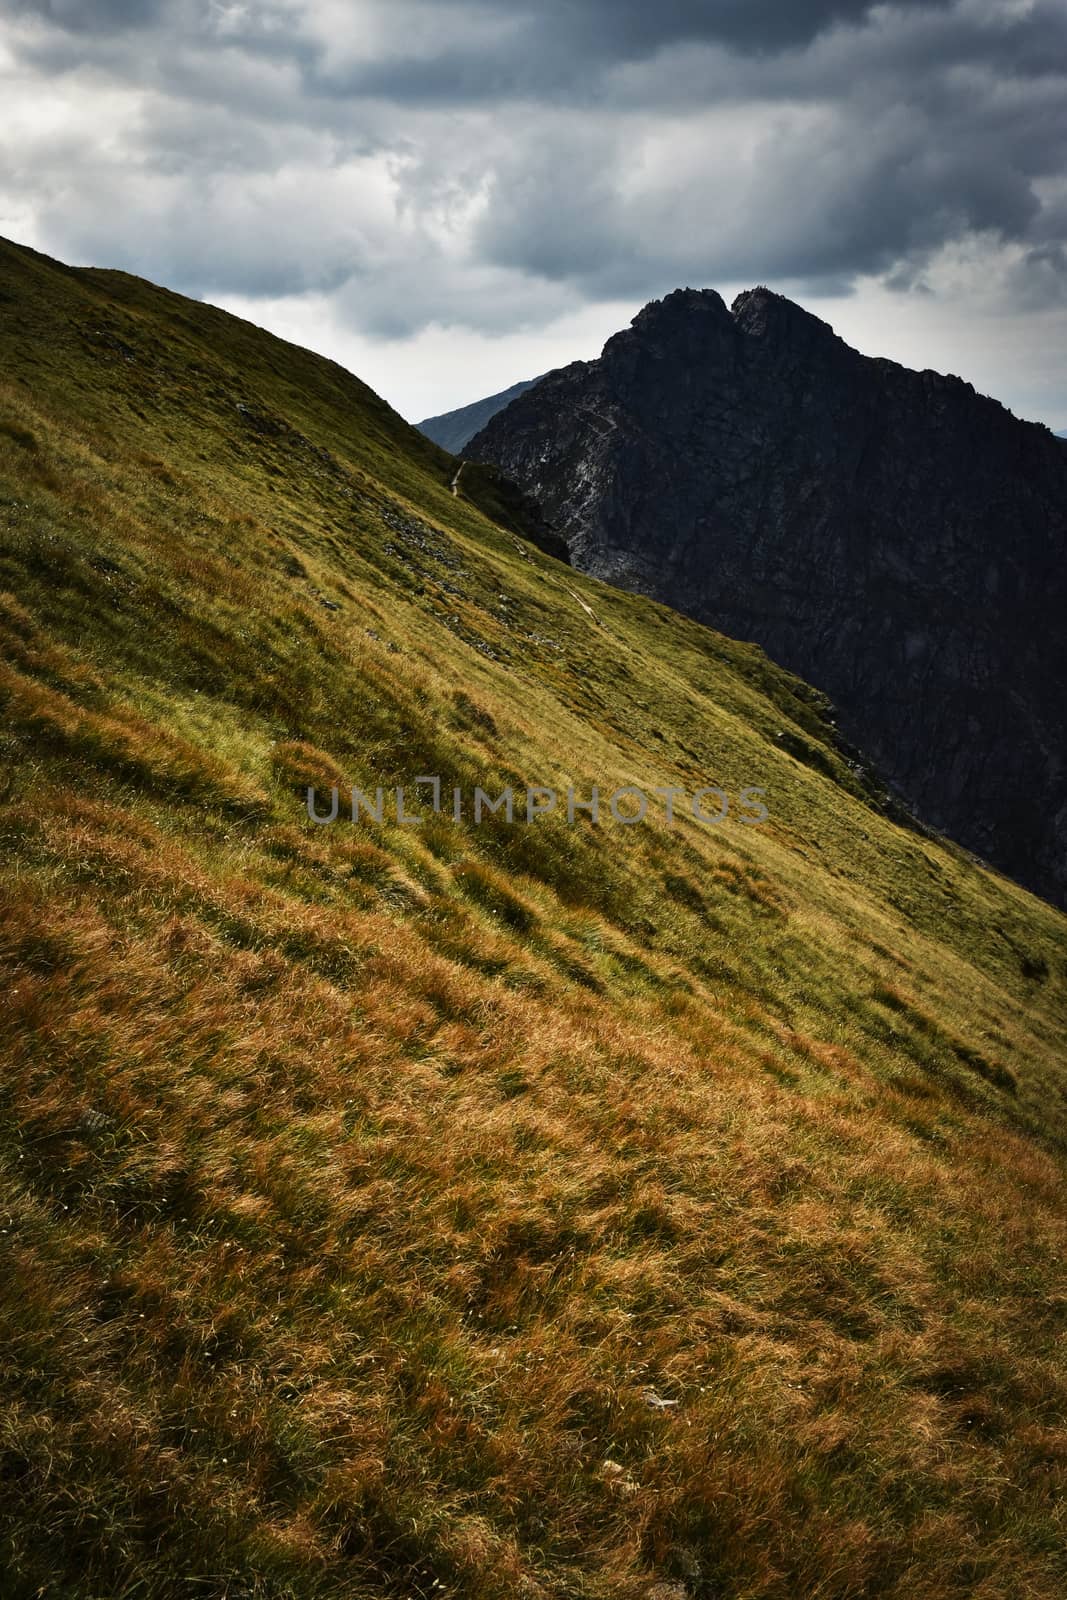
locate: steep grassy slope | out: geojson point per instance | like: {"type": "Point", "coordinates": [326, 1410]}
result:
{"type": "Point", "coordinates": [532, 1210]}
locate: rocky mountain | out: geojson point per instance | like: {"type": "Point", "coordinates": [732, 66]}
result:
{"type": "Point", "coordinates": [890, 535]}
{"type": "Point", "coordinates": [452, 429]}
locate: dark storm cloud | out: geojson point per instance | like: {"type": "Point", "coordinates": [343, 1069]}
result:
{"type": "Point", "coordinates": [867, 153]}
{"type": "Point", "coordinates": [603, 30]}
{"type": "Point", "coordinates": [93, 17]}
{"type": "Point", "coordinates": [818, 206]}
{"type": "Point", "coordinates": [487, 153]}
{"type": "Point", "coordinates": [628, 29]}
{"type": "Point", "coordinates": [554, 48]}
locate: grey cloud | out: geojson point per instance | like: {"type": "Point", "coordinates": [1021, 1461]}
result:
{"type": "Point", "coordinates": [93, 17]}
{"type": "Point", "coordinates": [551, 32]}
{"type": "Point", "coordinates": [930, 56]}
{"type": "Point", "coordinates": [540, 155]}
{"type": "Point", "coordinates": [816, 204]}
{"type": "Point", "coordinates": [631, 29]}
{"type": "Point", "coordinates": [557, 48]}
{"type": "Point", "coordinates": [267, 239]}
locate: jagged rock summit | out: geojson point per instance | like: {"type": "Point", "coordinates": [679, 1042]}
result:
{"type": "Point", "coordinates": [890, 535]}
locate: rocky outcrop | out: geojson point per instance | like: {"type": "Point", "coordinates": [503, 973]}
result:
{"type": "Point", "coordinates": [892, 536]}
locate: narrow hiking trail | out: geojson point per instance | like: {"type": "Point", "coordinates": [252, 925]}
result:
{"type": "Point", "coordinates": [586, 607]}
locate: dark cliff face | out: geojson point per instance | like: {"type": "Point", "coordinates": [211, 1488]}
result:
{"type": "Point", "coordinates": [890, 535]}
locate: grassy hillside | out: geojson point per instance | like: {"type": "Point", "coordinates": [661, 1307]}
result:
{"type": "Point", "coordinates": [536, 1210]}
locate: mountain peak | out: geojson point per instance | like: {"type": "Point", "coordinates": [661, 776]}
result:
{"type": "Point", "coordinates": [848, 515]}
{"type": "Point", "coordinates": [761, 311]}
{"type": "Point", "coordinates": [702, 314]}
{"type": "Point", "coordinates": [678, 307]}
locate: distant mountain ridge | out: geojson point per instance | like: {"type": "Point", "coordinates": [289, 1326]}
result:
{"type": "Point", "coordinates": [890, 535]}
{"type": "Point", "coordinates": [452, 429]}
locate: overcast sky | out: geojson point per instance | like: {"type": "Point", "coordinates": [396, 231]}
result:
{"type": "Point", "coordinates": [450, 195]}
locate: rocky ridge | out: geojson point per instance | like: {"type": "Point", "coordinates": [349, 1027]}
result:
{"type": "Point", "coordinates": [892, 536]}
